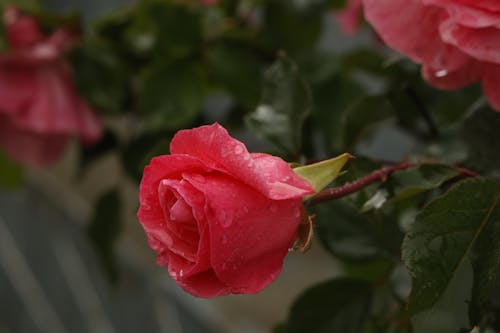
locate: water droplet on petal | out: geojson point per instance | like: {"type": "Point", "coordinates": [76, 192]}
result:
{"type": "Point", "coordinates": [181, 273]}
{"type": "Point", "coordinates": [238, 149]}
{"type": "Point", "coordinates": [287, 178]}
{"type": "Point", "coordinates": [224, 266]}
{"type": "Point", "coordinates": [146, 207]}
{"type": "Point", "coordinates": [296, 212]}
{"type": "Point", "coordinates": [225, 220]}
{"type": "Point", "coordinates": [245, 209]}
{"type": "Point", "coordinates": [441, 73]}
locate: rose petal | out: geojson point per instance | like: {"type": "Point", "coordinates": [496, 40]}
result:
{"type": "Point", "coordinates": [481, 44]}
{"type": "Point", "coordinates": [150, 213]}
{"type": "Point", "coordinates": [350, 16]}
{"type": "Point", "coordinates": [491, 85]}
{"type": "Point", "coordinates": [30, 148]}
{"type": "Point", "coordinates": [245, 252]}
{"type": "Point", "coordinates": [22, 31]}
{"type": "Point", "coordinates": [205, 284]}
{"type": "Point", "coordinates": [213, 145]}
{"type": "Point", "coordinates": [17, 88]}
{"type": "Point", "coordinates": [469, 14]}
{"type": "Point", "coordinates": [411, 28]}
{"type": "Point", "coordinates": [470, 73]}
{"type": "Point", "coordinates": [56, 108]}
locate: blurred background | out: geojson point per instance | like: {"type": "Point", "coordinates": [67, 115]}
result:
{"type": "Point", "coordinates": [73, 257]}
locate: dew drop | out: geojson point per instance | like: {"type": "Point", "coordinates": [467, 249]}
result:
{"type": "Point", "coordinates": [181, 273]}
{"type": "Point", "coordinates": [225, 220]}
{"type": "Point", "coordinates": [245, 209]}
{"type": "Point", "coordinates": [441, 73]}
{"type": "Point", "coordinates": [224, 266]}
{"type": "Point", "coordinates": [146, 207]}
{"type": "Point", "coordinates": [296, 212]}
{"type": "Point", "coordinates": [287, 178]}
{"type": "Point", "coordinates": [238, 149]}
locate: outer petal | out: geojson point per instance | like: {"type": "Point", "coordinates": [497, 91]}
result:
{"type": "Point", "coordinates": [56, 107]}
{"type": "Point", "coordinates": [30, 148]}
{"type": "Point", "coordinates": [150, 213]}
{"type": "Point", "coordinates": [469, 13]}
{"type": "Point", "coordinates": [482, 44]}
{"type": "Point", "coordinates": [412, 29]}
{"type": "Point", "coordinates": [470, 73]}
{"type": "Point", "coordinates": [491, 85]}
{"type": "Point", "coordinates": [17, 88]}
{"type": "Point", "coordinates": [249, 233]}
{"type": "Point", "coordinates": [213, 145]}
{"type": "Point", "coordinates": [22, 30]}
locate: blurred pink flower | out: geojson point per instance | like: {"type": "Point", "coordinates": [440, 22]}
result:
{"type": "Point", "coordinates": [40, 108]}
{"type": "Point", "coordinates": [457, 42]}
{"type": "Point", "coordinates": [349, 18]}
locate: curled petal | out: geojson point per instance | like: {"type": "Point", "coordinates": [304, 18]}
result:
{"type": "Point", "coordinates": [213, 145]}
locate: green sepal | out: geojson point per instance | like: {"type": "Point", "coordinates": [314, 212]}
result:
{"type": "Point", "coordinates": [320, 174]}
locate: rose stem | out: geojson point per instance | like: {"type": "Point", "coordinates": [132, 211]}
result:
{"type": "Point", "coordinates": [377, 175]}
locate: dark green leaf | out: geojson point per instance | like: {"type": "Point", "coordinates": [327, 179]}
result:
{"type": "Point", "coordinates": [100, 77]}
{"type": "Point", "coordinates": [285, 103]}
{"type": "Point", "coordinates": [239, 72]}
{"type": "Point", "coordinates": [177, 27]}
{"type": "Point", "coordinates": [104, 230]}
{"type": "Point", "coordinates": [455, 236]}
{"type": "Point", "coordinates": [11, 174]}
{"type": "Point", "coordinates": [351, 235]}
{"type": "Point", "coordinates": [361, 117]}
{"type": "Point", "coordinates": [339, 305]}
{"type": "Point", "coordinates": [292, 29]}
{"type": "Point", "coordinates": [139, 152]}
{"type": "Point", "coordinates": [172, 95]}
{"type": "Point", "coordinates": [481, 135]}
{"type": "Point", "coordinates": [417, 180]}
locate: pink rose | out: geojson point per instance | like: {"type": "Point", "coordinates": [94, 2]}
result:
{"type": "Point", "coordinates": [456, 41]}
{"type": "Point", "coordinates": [349, 17]}
{"type": "Point", "coordinates": [220, 218]}
{"type": "Point", "coordinates": [39, 106]}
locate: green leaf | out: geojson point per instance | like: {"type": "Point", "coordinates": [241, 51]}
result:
{"type": "Point", "coordinates": [238, 70]}
{"type": "Point", "coordinates": [362, 116]}
{"type": "Point", "coordinates": [295, 30]}
{"type": "Point", "coordinates": [100, 76]}
{"type": "Point", "coordinates": [481, 136]}
{"type": "Point", "coordinates": [417, 180]}
{"type": "Point", "coordinates": [455, 236]}
{"type": "Point", "coordinates": [320, 174]}
{"type": "Point", "coordinates": [172, 95]}
{"type": "Point", "coordinates": [104, 231]}
{"type": "Point", "coordinates": [350, 235]}
{"type": "Point", "coordinates": [177, 27]}
{"type": "Point", "coordinates": [339, 305]}
{"type": "Point", "coordinates": [285, 103]}
{"type": "Point", "coordinates": [11, 174]}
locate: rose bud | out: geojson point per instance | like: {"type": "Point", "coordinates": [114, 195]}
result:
{"type": "Point", "coordinates": [220, 218]}
{"type": "Point", "coordinates": [40, 108]}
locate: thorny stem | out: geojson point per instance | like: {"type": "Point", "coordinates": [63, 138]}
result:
{"type": "Point", "coordinates": [377, 175]}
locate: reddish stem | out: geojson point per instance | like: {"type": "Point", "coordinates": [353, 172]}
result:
{"type": "Point", "coordinates": [377, 175]}
{"type": "Point", "coordinates": [358, 184]}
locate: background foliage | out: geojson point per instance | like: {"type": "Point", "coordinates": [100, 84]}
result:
{"type": "Point", "coordinates": [420, 250]}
